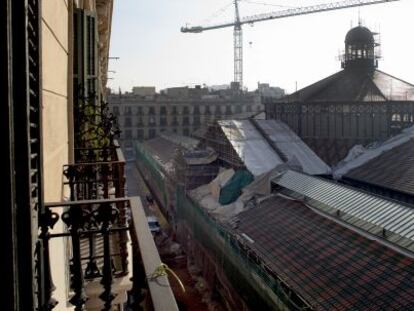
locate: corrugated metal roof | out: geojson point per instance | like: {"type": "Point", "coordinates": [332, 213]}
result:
{"type": "Point", "coordinates": [330, 266]}
{"type": "Point", "coordinates": [387, 219]}
{"type": "Point", "coordinates": [293, 147]}
{"type": "Point", "coordinates": [253, 150]}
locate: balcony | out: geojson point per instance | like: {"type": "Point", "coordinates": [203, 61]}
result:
{"type": "Point", "coordinates": [111, 253]}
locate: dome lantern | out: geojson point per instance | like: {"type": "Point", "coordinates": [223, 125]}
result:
{"type": "Point", "coordinates": [360, 49]}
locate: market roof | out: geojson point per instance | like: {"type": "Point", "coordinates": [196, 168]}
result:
{"type": "Point", "coordinates": [392, 169]}
{"type": "Point", "coordinates": [292, 147]}
{"type": "Point", "coordinates": [351, 85]}
{"type": "Point", "coordinates": [264, 144]}
{"type": "Point", "coordinates": [333, 150]}
{"type": "Point", "coordinates": [330, 266]}
{"type": "Point", "coordinates": [163, 148]}
{"type": "Point", "coordinates": [388, 220]}
{"type": "Point", "coordinates": [251, 147]}
{"type": "Point", "coordinates": [360, 155]}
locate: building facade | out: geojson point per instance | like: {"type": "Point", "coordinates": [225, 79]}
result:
{"type": "Point", "coordinates": [65, 183]}
{"type": "Point", "coordinates": [177, 110]}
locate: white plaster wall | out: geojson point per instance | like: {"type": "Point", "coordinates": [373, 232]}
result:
{"type": "Point", "coordinates": [55, 53]}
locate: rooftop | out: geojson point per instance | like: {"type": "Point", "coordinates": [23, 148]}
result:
{"type": "Point", "coordinates": [330, 266]}
{"type": "Point", "coordinates": [392, 169]}
{"type": "Point", "coordinates": [264, 144]}
{"type": "Point", "coordinates": [355, 86]}
{"type": "Point", "coordinates": [387, 220]}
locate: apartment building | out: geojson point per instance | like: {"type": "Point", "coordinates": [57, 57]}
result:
{"type": "Point", "coordinates": [180, 110]}
{"type": "Point", "coordinates": [73, 240]}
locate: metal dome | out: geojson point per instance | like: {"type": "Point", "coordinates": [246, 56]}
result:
{"type": "Point", "coordinates": [359, 35]}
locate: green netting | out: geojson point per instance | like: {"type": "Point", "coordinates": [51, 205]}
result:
{"type": "Point", "coordinates": [257, 287]}
{"type": "Point", "coordinates": [152, 171]}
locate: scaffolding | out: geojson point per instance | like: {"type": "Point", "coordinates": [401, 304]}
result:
{"type": "Point", "coordinates": [217, 140]}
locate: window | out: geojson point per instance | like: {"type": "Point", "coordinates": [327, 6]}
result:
{"type": "Point", "coordinates": [140, 134]}
{"type": "Point", "coordinates": [140, 122]}
{"type": "Point", "coordinates": [174, 110]}
{"type": "Point", "coordinates": [115, 110]}
{"type": "Point", "coordinates": [196, 121]}
{"type": "Point", "coordinates": [152, 121]}
{"type": "Point", "coordinates": [128, 122]}
{"type": "Point", "coordinates": [186, 131]}
{"type": "Point", "coordinates": [238, 109]}
{"type": "Point", "coordinates": [163, 110]}
{"type": "Point", "coordinates": [163, 121]}
{"type": "Point", "coordinates": [228, 110]}
{"type": "Point", "coordinates": [128, 134]}
{"type": "Point", "coordinates": [128, 111]}
{"type": "Point", "coordinates": [186, 120]}
{"type": "Point", "coordinates": [207, 111]}
{"type": "Point", "coordinates": [152, 133]}
{"type": "Point", "coordinates": [196, 110]}
{"type": "Point", "coordinates": [406, 117]}
{"type": "Point", "coordinates": [396, 117]}
{"type": "Point", "coordinates": [151, 111]}
{"type": "Point", "coordinates": [217, 112]}
{"type": "Point", "coordinates": [186, 110]}
{"type": "Point", "coordinates": [174, 121]}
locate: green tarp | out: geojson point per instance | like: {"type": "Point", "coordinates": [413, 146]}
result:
{"type": "Point", "coordinates": [233, 188]}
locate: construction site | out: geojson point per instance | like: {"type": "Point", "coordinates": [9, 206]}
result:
{"type": "Point", "coordinates": [285, 210]}
{"type": "Point", "coordinates": [252, 211]}
{"type": "Point", "coordinates": [276, 212]}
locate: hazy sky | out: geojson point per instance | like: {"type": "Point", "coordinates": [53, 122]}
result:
{"type": "Point", "coordinates": [304, 49]}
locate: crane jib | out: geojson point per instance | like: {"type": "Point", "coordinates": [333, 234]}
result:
{"type": "Point", "coordinates": [289, 13]}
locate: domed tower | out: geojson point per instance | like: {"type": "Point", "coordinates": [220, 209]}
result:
{"type": "Point", "coordinates": [360, 49]}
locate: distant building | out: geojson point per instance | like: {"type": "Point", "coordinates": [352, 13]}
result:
{"type": "Point", "coordinates": [265, 90]}
{"type": "Point", "coordinates": [143, 90]}
{"type": "Point", "coordinates": [357, 105]}
{"type": "Point", "coordinates": [180, 110]}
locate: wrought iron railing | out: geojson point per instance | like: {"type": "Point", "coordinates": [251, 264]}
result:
{"type": "Point", "coordinates": [101, 180]}
{"type": "Point", "coordinates": [100, 218]}
{"type": "Point", "coordinates": [86, 218]}
{"type": "Point", "coordinates": [95, 126]}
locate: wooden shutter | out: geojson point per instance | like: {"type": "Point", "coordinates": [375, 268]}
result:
{"type": "Point", "coordinates": [86, 71]}
{"type": "Point", "coordinates": [86, 51]}
{"type": "Point", "coordinates": [25, 148]}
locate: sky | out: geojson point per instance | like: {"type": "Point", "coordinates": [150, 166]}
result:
{"type": "Point", "coordinates": [289, 53]}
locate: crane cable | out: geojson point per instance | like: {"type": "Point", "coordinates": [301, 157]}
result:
{"type": "Point", "coordinates": [217, 13]}
{"type": "Point", "coordinates": [269, 4]}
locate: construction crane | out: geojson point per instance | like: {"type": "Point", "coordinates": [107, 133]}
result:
{"type": "Point", "coordinates": [238, 22]}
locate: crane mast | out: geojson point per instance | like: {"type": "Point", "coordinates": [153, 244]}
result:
{"type": "Point", "coordinates": [238, 47]}
{"type": "Point", "coordinates": [238, 22]}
